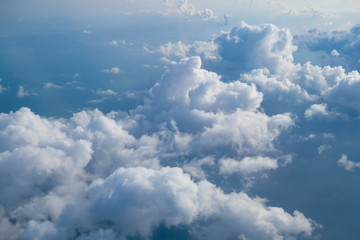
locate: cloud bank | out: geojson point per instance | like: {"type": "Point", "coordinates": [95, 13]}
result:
{"type": "Point", "coordinates": [117, 175]}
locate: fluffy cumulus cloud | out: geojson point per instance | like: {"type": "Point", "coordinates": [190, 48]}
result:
{"type": "Point", "coordinates": [112, 176]}
{"type": "Point", "coordinates": [252, 47]}
{"type": "Point", "coordinates": [134, 200]}
{"type": "Point", "coordinates": [345, 91]}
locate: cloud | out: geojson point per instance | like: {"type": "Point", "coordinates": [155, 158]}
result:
{"type": "Point", "coordinates": [114, 70]}
{"type": "Point", "coordinates": [252, 47]}
{"type": "Point", "coordinates": [276, 87]}
{"type": "Point", "coordinates": [206, 50]}
{"type": "Point", "coordinates": [1, 87]}
{"type": "Point", "coordinates": [335, 53]}
{"type": "Point", "coordinates": [134, 200]}
{"type": "Point", "coordinates": [341, 44]}
{"type": "Point", "coordinates": [348, 164]}
{"type": "Point", "coordinates": [114, 43]}
{"type": "Point", "coordinates": [178, 49]}
{"type": "Point", "coordinates": [345, 91]}
{"type": "Point", "coordinates": [323, 148]}
{"type": "Point", "coordinates": [105, 92]}
{"type": "Point", "coordinates": [247, 165]}
{"type": "Point", "coordinates": [124, 174]}
{"type": "Point", "coordinates": [22, 92]}
{"type": "Point", "coordinates": [186, 85]}
{"type": "Point", "coordinates": [48, 85]}
{"type": "Point", "coordinates": [311, 12]}
{"type": "Point", "coordinates": [187, 9]}
{"type": "Point", "coordinates": [194, 167]}
{"type": "Point", "coordinates": [319, 111]}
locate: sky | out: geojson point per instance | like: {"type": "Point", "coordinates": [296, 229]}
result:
{"type": "Point", "coordinates": [179, 119]}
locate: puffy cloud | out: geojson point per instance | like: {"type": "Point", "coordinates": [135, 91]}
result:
{"type": "Point", "coordinates": [219, 113]}
{"type": "Point", "coordinates": [348, 164]}
{"type": "Point", "coordinates": [135, 200]}
{"type": "Point", "coordinates": [345, 91]}
{"type": "Point", "coordinates": [114, 70]}
{"type": "Point", "coordinates": [276, 87]}
{"type": "Point", "coordinates": [186, 85]}
{"type": "Point", "coordinates": [319, 110]}
{"type": "Point", "coordinates": [251, 47]}
{"type": "Point", "coordinates": [178, 49]}
{"type": "Point", "coordinates": [207, 50]}
{"type": "Point", "coordinates": [245, 132]}
{"type": "Point", "coordinates": [97, 175]}
{"type": "Point", "coordinates": [335, 53]}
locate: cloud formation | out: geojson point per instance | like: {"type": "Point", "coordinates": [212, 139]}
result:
{"type": "Point", "coordinates": [118, 175]}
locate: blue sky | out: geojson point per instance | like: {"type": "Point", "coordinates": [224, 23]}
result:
{"type": "Point", "coordinates": [234, 119]}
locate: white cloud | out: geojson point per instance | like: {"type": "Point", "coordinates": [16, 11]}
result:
{"type": "Point", "coordinates": [348, 164]}
{"type": "Point", "coordinates": [335, 53]}
{"type": "Point", "coordinates": [207, 50]}
{"type": "Point", "coordinates": [48, 85]}
{"type": "Point", "coordinates": [22, 92]}
{"type": "Point", "coordinates": [114, 70]}
{"type": "Point", "coordinates": [178, 49]}
{"type": "Point", "coordinates": [319, 110]}
{"type": "Point", "coordinates": [251, 47]}
{"type": "Point", "coordinates": [345, 91]}
{"type": "Point", "coordinates": [186, 85]}
{"type": "Point", "coordinates": [323, 148]}
{"type": "Point", "coordinates": [247, 165]}
{"type": "Point", "coordinates": [104, 173]}
{"type": "Point", "coordinates": [311, 12]}
{"type": "Point", "coordinates": [187, 9]}
{"type": "Point", "coordinates": [114, 43]}
{"type": "Point", "coordinates": [194, 167]}
{"type": "Point", "coordinates": [146, 198]}
{"type": "Point", "coordinates": [87, 32]}
{"type": "Point", "coordinates": [276, 87]}
{"type": "Point", "coordinates": [105, 92]}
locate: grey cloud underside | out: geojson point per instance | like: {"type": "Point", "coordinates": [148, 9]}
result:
{"type": "Point", "coordinates": [116, 175]}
